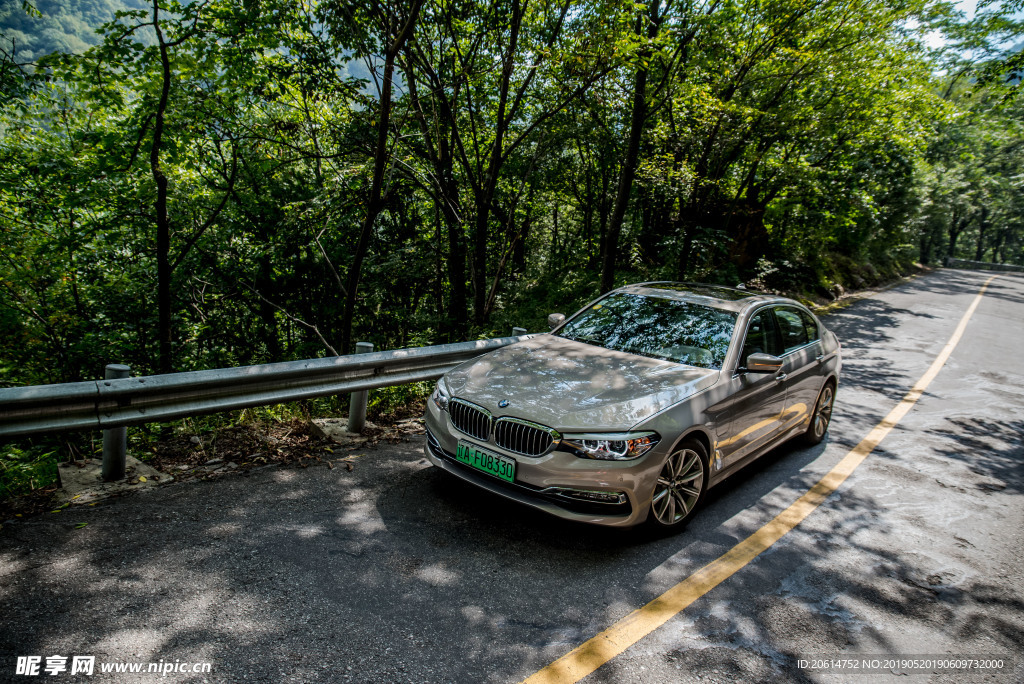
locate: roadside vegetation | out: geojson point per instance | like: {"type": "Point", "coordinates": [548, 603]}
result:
{"type": "Point", "coordinates": [221, 183]}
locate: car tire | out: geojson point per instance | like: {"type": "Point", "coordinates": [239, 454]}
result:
{"type": "Point", "coordinates": [681, 486]}
{"type": "Point", "coordinates": [822, 415]}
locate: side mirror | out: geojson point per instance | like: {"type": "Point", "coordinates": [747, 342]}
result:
{"type": "Point", "coordinates": [555, 320]}
{"type": "Point", "coordinates": [763, 363]}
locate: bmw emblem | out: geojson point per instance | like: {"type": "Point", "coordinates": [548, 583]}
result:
{"type": "Point", "coordinates": [503, 403]}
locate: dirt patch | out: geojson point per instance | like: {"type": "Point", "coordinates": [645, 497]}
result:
{"type": "Point", "coordinates": [234, 450]}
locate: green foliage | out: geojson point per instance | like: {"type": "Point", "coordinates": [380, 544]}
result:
{"type": "Point", "coordinates": [25, 469]}
{"type": "Point", "coordinates": [389, 402]}
{"type": "Point", "coordinates": [57, 25]}
{"type": "Point", "coordinates": [224, 153]}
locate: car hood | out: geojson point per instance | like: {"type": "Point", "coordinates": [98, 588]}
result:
{"type": "Point", "coordinates": [572, 385]}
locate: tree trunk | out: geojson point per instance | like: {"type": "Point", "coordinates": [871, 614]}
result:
{"type": "Point", "coordinates": [626, 176]}
{"type": "Point", "coordinates": [983, 226]}
{"type": "Point", "coordinates": [375, 203]}
{"type": "Point", "coordinates": [684, 254]}
{"type": "Point", "coordinates": [588, 218]}
{"type": "Point", "coordinates": [553, 253]}
{"type": "Point", "coordinates": [602, 207]}
{"type": "Point", "coordinates": [997, 246]}
{"type": "Point", "coordinates": [163, 224]}
{"type": "Point", "coordinates": [956, 226]}
{"type": "Point", "coordinates": [925, 248]}
{"type": "Point", "coordinates": [485, 196]}
{"type": "Point", "coordinates": [440, 147]}
{"type": "Point", "coordinates": [458, 313]}
{"type": "Point", "coordinates": [627, 173]}
{"type": "Point", "coordinates": [438, 271]}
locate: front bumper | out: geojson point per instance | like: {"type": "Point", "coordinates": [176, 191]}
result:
{"type": "Point", "coordinates": [539, 479]}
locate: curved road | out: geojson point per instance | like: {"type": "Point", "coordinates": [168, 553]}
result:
{"type": "Point", "coordinates": [394, 572]}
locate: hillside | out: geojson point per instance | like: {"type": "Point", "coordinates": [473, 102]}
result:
{"type": "Point", "coordinates": [64, 25]}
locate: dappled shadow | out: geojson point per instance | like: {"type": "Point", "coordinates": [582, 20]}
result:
{"type": "Point", "coordinates": [868, 331]}
{"type": "Point", "coordinates": [397, 571]}
{"type": "Point", "coordinates": [184, 572]}
{"type": "Point", "coordinates": [406, 568]}
{"type": "Point", "coordinates": [992, 449]}
{"type": "Point", "coordinates": [1007, 286]}
{"type": "Point", "coordinates": [853, 586]}
{"type": "Point", "coordinates": [574, 383]}
{"type": "Point", "coordinates": [401, 571]}
{"type": "Point", "coordinates": [870, 322]}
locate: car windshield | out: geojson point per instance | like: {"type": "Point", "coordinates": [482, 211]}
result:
{"type": "Point", "coordinates": [658, 327]}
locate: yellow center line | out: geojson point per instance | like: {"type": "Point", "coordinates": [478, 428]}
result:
{"type": "Point", "coordinates": [592, 654]}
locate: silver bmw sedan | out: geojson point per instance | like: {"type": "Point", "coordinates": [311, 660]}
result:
{"type": "Point", "coordinates": [631, 409]}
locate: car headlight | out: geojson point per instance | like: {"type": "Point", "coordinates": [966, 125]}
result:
{"type": "Point", "coordinates": [618, 446]}
{"type": "Point", "coordinates": [440, 397]}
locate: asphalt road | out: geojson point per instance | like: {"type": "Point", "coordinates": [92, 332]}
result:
{"type": "Point", "coordinates": [394, 572]}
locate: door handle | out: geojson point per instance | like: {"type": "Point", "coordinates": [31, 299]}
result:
{"type": "Point", "coordinates": [819, 357]}
{"type": "Point", "coordinates": [780, 377]}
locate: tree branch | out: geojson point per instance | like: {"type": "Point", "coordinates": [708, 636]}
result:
{"type": "Point", "coordinates": [294, 319]}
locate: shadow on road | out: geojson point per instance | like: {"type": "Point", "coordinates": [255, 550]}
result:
{"type": "Point", "coordinates": [397, 571]}
{"type": "Point", "coordinates": [953, 282]}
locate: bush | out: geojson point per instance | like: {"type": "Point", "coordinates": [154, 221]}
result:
{"type": "Point", "coordinates": [23, 470]}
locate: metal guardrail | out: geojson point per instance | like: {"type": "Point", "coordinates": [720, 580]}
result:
{"type": "Point", "coordinates": [120, 402]}
{"type": "Point", "coordinates": [982, 265]}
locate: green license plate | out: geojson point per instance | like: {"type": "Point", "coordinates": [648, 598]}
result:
{"type": "Point", "coordinates": [489, 462]}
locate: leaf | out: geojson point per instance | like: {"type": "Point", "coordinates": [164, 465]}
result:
{"type": "Point", "coordinates": [142, 478]}
{"type": "Point", "coordinates": [80, 525]}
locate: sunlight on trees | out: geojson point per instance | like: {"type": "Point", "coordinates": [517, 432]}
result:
{"type": "Point", "coordinates": [222, 183]}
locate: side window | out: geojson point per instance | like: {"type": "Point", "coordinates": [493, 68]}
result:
{"type": "Point", "coordinates": [761, 337]}
{"type": "Point", "coordinates": [791, 327]}
{"type": "Point", "coordinates": [810, 325]}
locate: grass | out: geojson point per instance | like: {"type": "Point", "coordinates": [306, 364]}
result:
{"type": "Point", "coordinates": [26, 469]}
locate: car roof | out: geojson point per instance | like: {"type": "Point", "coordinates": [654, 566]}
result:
{"type": "Point", "coordinates": [718, 296]}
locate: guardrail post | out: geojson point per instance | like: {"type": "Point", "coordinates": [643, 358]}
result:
{"type": "Point", "coordinates": [115, 441]}
{"type": "Point", "coordinates": [357, 400]}
{"type": "Point", "coordinates": [516, 332]}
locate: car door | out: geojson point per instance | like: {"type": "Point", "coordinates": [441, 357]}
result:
{"type": "Point", "coordinates": [802, 353]}
{"type": "Point", "coordinates": [756, 407]}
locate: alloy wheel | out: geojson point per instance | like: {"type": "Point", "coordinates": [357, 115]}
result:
{"type": "Point", "coordinates": [823, 413]}
{"type": "Point", "coordinates": [679, 487]}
